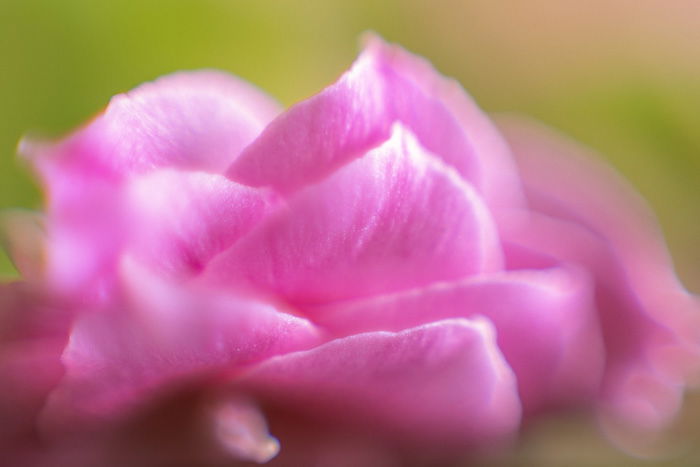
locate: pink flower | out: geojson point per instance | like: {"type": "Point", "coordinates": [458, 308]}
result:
{"type": "Point", "coordinates": [377, 272]}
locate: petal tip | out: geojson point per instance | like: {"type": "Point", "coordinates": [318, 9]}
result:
{"type": "Point", "coordinates": [242, 431]}
{"type": "Point", "coordinates": [22, 236]}
{"type": "Point", "coordinates": [30, 147]}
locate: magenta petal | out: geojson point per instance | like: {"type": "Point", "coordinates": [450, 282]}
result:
{"type": "Point", "coordinates": [650, 323]}
{"type": "Point", "coordinates": [545, 324]}
{"type": "Point", "coordinates": [396, 218]}
{"type": "Point", "coordinates": [444, 381]}
{"type": "Point", "coordinates": [384, 86]}
{"type": "Point", "coordinates": [164, 335]}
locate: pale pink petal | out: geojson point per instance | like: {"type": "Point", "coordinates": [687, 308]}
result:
{"type": "Point", "coordinates": [163, 335]}
{"type": "Point", "coordinates": [651, 325]}
{"type": "Point", "coordinates": [442, 382]}
{"type": "Point", "coordinates": [639, 346]}
{"type": "Point", "coordinates": [195, 120]}
{"type": "Point", "coordinates": [83, 229]}
{"type": "Point", "coordinates": [180, 220]}
{"type": "Point", "coordinates": [394, 219]}
{"type": "Point", "coordinates": [565, 181]}
{"type": "Point", "coordinates": [174, 220]}
{"type": "Point", "coordinates": [545, 324]}
{"type": "Point", "coordinates": [384, 86]}
{"type": "Point", "coordinates": [498, 181]}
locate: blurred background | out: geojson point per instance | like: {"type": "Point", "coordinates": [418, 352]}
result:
{"type": "Point", "coordinates": [621, 76]}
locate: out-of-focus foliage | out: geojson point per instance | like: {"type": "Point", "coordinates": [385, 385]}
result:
{"type": "Point", "coordinates": [622, 76]}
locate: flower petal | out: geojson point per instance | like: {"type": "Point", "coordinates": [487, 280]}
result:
{"type": "Point", "coordinates": [498, 182]}
{"type": "Point", "coordinates": [385, 85]}
{"type": "Point", "coordinates": [564, 181]}
{"type": "Point", "coordinates": [29, 369]}
{"type": "Point", "coordinates": [163, 335]}
{"type": "Point", "coordinates": [545, 324]}
{"type": "Point", "coordinates": [444, 381]}
{"type": "Point", "coordinates": [195, 120]}
{"type": "Point", "coordinates": [180, 220]}
{"type": "Point", "coordinates": [174, 220]}
{"type": "Point", "coordinates": [639, 344]}
{"type": "Point", "coordinates": [651, 325]}
{"type": "Point", "coordinates": [32, 336]}
{"type": "Point", "coordinates": [395, 219]}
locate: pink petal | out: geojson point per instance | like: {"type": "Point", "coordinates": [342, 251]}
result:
{"type": "Point", "coordinates": [545, 324]}
{"type": "Point", "coordinates": [195, 120]}
{"type": "Point", "coordinates": [163, 335]}
{"type": "Point", "coordinates": [85, 229]}
{"type": "Point", "coordinates": [564, 181]}
{"type": "Point", "coordinates": [29, 369]}
{"type": "Point", "coordinates": [385, 85]}
{"type": "Point", "coordinates": [444, 382]}
{"type": "Point", "coordinates": [650, 323]}
{"type": "Point", "coordinates": [498, 181]}
{"type": "Point", "coordinates": [174, 220]}
{"type": "Point", "coordinates": [180, 220]}
{"type": "Point", "coordinates": [32, 337]}
{"type": "Point", "coordinates": [396, 218]}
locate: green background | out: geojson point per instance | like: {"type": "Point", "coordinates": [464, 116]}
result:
{"type": "Point", "coordinates": [618, 75]}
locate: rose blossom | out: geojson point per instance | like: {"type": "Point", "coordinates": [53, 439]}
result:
{"type": "Point", "coordinates": [377, 275]}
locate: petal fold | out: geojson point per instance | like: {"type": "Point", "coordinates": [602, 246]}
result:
{"type": "Point", "coordinates": [585, 213]}
{"type": "Point", "coordinates": [445, 382]}
{"type": "Point", "coordinates": [545, 321]}
{"type": "Point", "coordinates": [163, 335]}
{"type": "Point", "coordinates": [385, 85]}
{"type": "Point", "coordinates": [396, 218]}
{"type": "Point", "coordinates": [178, 221]}
{"type": "Point", "coordinates": [189, 121]}
{"type": "Point", "coordinates": [174, 220]}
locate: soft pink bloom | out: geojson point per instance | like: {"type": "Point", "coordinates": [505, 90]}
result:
{"type": "Point", "coordinates": [377, 272]}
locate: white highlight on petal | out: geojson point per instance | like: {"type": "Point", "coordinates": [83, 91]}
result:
{"type": "Point", "coordinates": [241, 429]}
